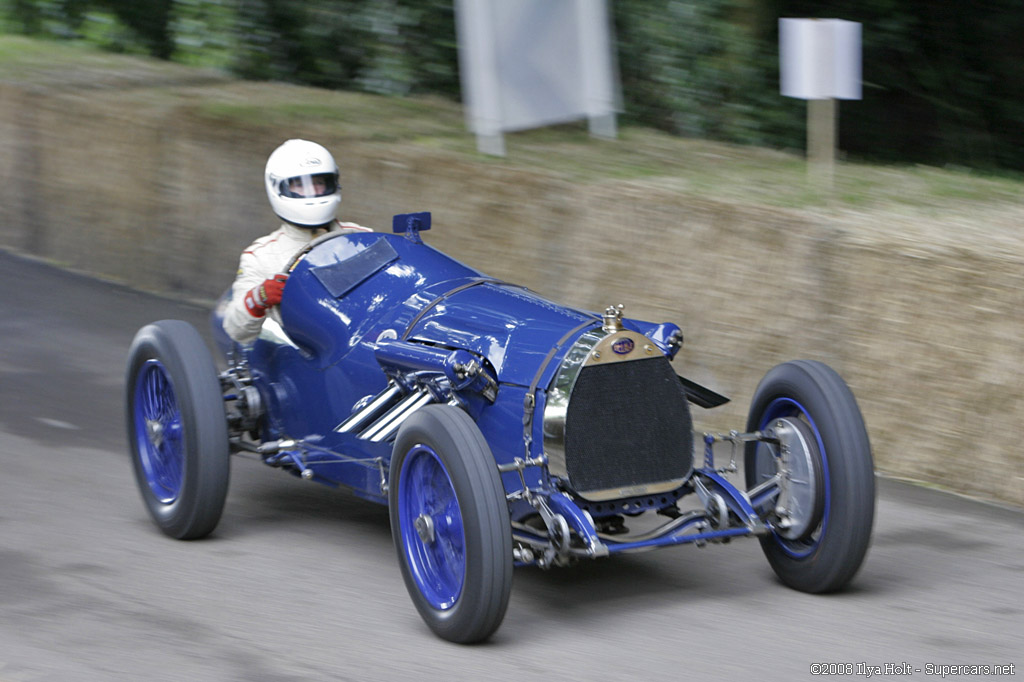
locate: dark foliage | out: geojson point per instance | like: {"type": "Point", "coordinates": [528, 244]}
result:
{"type": "Point", "coordinates": [942, 79]}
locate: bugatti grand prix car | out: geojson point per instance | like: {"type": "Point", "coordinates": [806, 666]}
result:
{"type": "Point", "coordinates": [501, 429]}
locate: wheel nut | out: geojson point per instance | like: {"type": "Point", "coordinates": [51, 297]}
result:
{"type": "Point", "coordinates": [424, 528]}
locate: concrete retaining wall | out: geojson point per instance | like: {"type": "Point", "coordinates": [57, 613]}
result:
{"type": "Point", "coordinates": [128, 184]}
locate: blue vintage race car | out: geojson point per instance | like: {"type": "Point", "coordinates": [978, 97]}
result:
{"type": "Point", "coordinates": [500, 428]}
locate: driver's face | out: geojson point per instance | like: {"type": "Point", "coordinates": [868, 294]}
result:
{"type": "Point", "coordinates": [319, 186]}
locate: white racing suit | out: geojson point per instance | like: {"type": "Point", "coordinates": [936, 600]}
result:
{"type": "Point", "coordinates": [266, 257]}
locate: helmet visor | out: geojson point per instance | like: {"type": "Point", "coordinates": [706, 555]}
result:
{"type": "Point", "coordinates": [309, 186]}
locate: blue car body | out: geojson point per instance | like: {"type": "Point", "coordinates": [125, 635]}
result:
{"type": "Point", "coordinates": [500, 428]}
{"type": "Point", "coordinates": [367, 313]}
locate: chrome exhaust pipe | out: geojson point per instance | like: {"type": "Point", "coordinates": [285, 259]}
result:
{"type": "Point", "coordinates": [388, 424]}
{"type": "Point", "coordinates": [372, 411]}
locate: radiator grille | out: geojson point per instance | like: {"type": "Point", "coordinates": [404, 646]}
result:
{"type": "Point", "coordinates": [628, 424]}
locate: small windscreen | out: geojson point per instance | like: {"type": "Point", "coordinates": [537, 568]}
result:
{"type": "Point", "coordinates": [341, 277]}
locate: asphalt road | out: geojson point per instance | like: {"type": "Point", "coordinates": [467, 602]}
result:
{"type": "Point", "coordinates": [301, 582]}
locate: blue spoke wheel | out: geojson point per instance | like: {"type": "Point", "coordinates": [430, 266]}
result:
{"type": "Point", "coordinates": [822, 522]}
{"type": "Point", "coordinates": [177, 430]}
{"type": "Point", "coordinates": [450, 523]}
{"type": "Point", "coordinates": [158, 431]}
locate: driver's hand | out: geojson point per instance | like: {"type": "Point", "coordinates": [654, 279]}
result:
{"type": "Point", "coordinates": [266, 295]}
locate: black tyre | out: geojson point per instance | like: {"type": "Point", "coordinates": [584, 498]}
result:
{"type": "Point", "coordinates": [825, 536]}
{"type": "Point", "coordinates": [177, 429]}
{"type": "Point", "coordinates": [450, 524]}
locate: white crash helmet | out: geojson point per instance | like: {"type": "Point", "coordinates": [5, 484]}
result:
{"type": "Point", "coordinates": [302, 183]}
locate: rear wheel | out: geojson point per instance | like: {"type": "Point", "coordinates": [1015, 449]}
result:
{"type": "Point", "coordinates": [450, 523]}
{"type": "Point", "coordinates": [177, 430]}
{"type": "Point", "coordinates": [823, 519]}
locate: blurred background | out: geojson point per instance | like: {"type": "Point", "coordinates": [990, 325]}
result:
{"type": "Point", "coordinates": [133, 138]}
{"type": "Point", "coordinates": [942, 79]}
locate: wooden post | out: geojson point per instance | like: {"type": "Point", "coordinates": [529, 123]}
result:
{"type": "Point", "coordinates": [822, 122]}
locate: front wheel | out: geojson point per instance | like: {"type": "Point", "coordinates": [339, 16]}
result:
{"type": "Point", "coordinates": [450, 524]}
{"type": "Point", "coordinates": [177, 430]}
{"type": "Point", "coordinates": [822, 519]}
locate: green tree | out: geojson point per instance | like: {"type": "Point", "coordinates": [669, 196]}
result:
{"type": "Point", "coordinates": [150, 20]}
{"type": "Point", "coordinates": [696, 67]}
{"type": "Point", "coordinates": [942, 80]}
{"type": "Point", "coordinates": [384, 46]}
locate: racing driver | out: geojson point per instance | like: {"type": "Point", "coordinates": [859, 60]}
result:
{"type": "Point", "coordinates": [301, 178]}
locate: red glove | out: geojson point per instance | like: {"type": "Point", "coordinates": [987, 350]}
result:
{"type": "Point", "coordinates": [268, 294]}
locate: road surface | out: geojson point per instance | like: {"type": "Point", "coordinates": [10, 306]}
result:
{"type": "Point", "coordinates": [300, 582]}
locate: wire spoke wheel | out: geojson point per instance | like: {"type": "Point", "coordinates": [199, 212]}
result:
{"type": "Point", "coordinates": [431, 522]}
{"type": "Point", "coordinates": [177, 429]}
{"type": "Point", "coordinates": [158, 430]}
{"type": "Point", "coordinates": [450, 523]}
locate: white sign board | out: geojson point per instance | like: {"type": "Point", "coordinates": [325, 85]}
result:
{"type": "Point", "coordinates": [530, 63]}
{"type": "Point", "coordinates": [820, 58]}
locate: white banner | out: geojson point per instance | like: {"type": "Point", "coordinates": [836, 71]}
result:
{"type": "Point", "coordinates": [530, 63]}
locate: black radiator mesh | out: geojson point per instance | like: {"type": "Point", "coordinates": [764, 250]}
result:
{"type": "Point", "coordinates": [628, 424]}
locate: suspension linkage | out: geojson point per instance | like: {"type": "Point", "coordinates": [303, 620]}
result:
{"type": "Point", "coordinates": [735, 438]}
{"type": "Point", "coordinates": [519, 464]}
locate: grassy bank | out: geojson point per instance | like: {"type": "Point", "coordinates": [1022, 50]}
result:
{"type": "Point", "coordinates": [697, 168]}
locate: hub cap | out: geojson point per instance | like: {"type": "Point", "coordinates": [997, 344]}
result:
{"type": "Point", "coordinates": [802, 509]}
{"type": "Point", "coordinates": [797, 505]}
